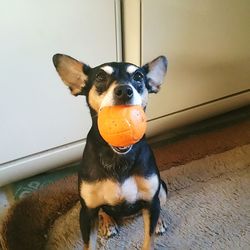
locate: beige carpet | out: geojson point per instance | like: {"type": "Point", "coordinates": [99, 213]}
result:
{"type": "Point", "coordinates": [208, 208]}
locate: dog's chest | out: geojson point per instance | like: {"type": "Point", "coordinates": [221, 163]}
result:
{"type": "Point", "coordinates": [110, 192]}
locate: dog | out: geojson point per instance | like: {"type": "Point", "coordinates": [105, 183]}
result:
{"type": "Point", "coordinates": [115, 182]}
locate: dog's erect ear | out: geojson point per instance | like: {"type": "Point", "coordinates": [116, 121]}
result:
{"type": "Point", "coordinates": [155, 72]}
{"type": "Point", "coordinates": [73, 73]}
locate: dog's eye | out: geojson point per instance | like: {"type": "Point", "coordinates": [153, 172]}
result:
{"type": "Point", "coordinates": [138, 76]}
{"type": "Point", "coordinates": [101, 76]}
{"type": "Point", "coordinates": [100, 87]}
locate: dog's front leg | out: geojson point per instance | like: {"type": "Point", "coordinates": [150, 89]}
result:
{"type": "Point", "coordinates": [89, 226]}
{"type": "Point", "coordinates": [150, 218]}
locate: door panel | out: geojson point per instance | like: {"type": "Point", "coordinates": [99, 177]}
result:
{"type": "Point", "coordinates": [37, 111]}
{"type": "Point", "coordinates": [208, 47]}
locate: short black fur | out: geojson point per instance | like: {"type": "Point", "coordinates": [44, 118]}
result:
{"type": "Point", "coordinates": [100, 161]}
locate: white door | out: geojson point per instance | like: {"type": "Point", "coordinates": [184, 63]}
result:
{"type": "Point", "coordinates": [38, 114]}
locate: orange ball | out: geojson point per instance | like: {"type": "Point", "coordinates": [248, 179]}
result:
{"type": "Point", "coordinates": [122, 125]}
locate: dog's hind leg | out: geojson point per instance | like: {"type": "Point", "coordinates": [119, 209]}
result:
{"type": "Point", "coordinates": [161, 226]}
{"type": "Point", "coordinates": [107, 225]}
{"type": "Point", "coordinates": [163, 193]}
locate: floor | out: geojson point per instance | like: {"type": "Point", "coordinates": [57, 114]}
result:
{"type": "Point", "coordinates": [17, 190]}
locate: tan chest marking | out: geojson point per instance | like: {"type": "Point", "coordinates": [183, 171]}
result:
{"type": "Point", "coordinates": [111, 192]}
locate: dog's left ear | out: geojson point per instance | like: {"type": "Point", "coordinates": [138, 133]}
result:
{"type": "Point", "coordinates": [73, 73]}
{"type": "Point", "coordinates": [155, 72]}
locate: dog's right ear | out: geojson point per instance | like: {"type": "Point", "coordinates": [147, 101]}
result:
{"type": "Point", "coordinates": [73, 73]}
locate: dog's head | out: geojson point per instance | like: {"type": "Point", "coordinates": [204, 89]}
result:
{"type": "Point", "coordinates": [111, 83]}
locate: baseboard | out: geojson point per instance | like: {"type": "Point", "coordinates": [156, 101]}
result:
{"type": "Point", "coordinates": [41, 162]}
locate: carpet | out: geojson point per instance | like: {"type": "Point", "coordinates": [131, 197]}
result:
{"type": "Point", "coordinates": [208, 206]}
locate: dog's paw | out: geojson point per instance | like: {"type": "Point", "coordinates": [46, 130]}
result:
{"type": "Point", "coordinates": [161, 227]}
{"type": "Point", "coordinates": [107, 226]}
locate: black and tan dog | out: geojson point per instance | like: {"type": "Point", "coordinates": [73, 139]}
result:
{"type": "Point", "coordinates": [116, 182]}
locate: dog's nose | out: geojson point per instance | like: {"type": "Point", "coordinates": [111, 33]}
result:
{"type": "Point", "coordinates": [123, 92]}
